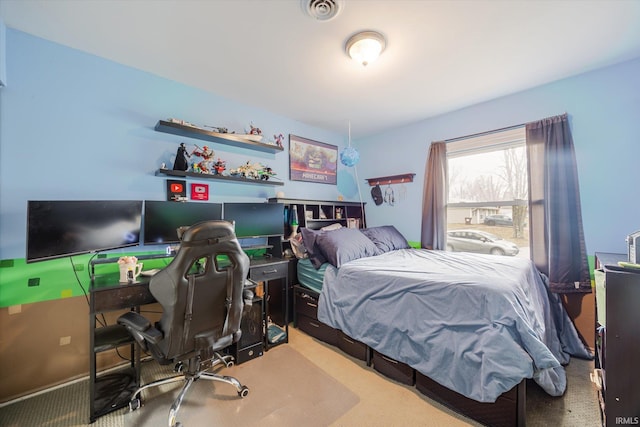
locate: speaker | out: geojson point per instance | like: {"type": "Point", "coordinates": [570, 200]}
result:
{"type": "Point", "coordinates": [251, 325]}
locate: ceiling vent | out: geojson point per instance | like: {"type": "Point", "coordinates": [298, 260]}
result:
{"type": "Point", "coordinates": [322, 10]}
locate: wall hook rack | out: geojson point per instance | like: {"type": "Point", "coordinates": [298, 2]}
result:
{"type": "Point", "coordinates": [392, 179]}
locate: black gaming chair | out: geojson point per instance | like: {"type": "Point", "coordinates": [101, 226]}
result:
{"type": "Point", "coordinates": [201, 293]}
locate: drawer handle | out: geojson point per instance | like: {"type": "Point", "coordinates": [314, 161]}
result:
{"type": "Point", "coordinates": [389, 360]}
{"type": "Point", "coordinates": [348, 340]}
{"type": "Point", "coordinates": [269, 271]}
{"type": "Point", "coordinates": [315, 325]}
{"type": "Point", "coordinates": [312, 305]}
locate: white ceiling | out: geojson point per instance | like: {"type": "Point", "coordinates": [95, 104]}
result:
{"type": "Point", "coordinates": [440, 55]}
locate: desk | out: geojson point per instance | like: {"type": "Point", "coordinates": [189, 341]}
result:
{"type": "Point", "coordinates": [111, 391]}
{"type": "Point", "coordinates": [276, 314]}
{"type": "Point", "coordinates": [108, 392]}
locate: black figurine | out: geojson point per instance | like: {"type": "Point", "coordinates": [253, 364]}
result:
{"type": "Point", "coordinates": [181, 163]}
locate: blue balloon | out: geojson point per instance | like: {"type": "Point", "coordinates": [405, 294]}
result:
{"type": "Point", "coordinates": [349, 156]}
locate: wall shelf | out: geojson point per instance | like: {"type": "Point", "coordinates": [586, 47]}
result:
{"type": "Point", "coordinates": [185, 174]}
{"type": "Point", "coordinates": [219, 138]}
{"type": "Point", "coordinates": [392, 179]}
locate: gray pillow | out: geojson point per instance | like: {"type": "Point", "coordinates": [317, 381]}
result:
{"type": "Point", "coordinates": [386, 238]}
{"type": "Point", "coordinates": [309, 239]}
{"type": "Point", "coordinates": [344, 245]}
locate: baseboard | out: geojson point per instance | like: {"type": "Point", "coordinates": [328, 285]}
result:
{"type": "Point", "coordinates": [68, 382]}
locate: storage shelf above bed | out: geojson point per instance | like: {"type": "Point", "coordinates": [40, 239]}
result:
{"type": "Point", "coordinates": [316, 214]}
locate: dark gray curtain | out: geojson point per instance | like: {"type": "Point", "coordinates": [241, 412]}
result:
{"type": "Point", "coordinates": [555, 230]}
{"type": "Point", "coordinates": [434, 200]}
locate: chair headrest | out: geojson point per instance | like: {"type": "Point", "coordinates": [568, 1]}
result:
{"type": "Point", "coordinates": [207, 233]}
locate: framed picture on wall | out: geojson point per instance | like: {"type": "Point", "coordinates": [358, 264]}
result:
{"type": "Point", "coordinates": [312, 161]}
{"type": "Point", "coordinates": [176, 190]}
{"type": "Point", "coordinates": [199, 191]}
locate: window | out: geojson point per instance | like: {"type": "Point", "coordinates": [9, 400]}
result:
{"type": "Point", "coordinates": [487, 199]}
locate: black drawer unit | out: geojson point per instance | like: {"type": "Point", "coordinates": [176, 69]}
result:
{"type": "Point", "coordinates": [618, 339]}
{"type": "Point", "coordinates": [306, 303]}
{"type": "Point", "coordinates": [354, 348]}
{"type": "Point", "coordinates": [393, 369]}
{"type": "Point", "coordinates": [318, 330]}
{"type": "Point", "coordinates": [306, 316]}
{"type": "Point", "coordinates": [306, 319]}
{"type": "Point", "coordinates": [507, 411]}
{"type": "Point", "coordinates": [261, 273]}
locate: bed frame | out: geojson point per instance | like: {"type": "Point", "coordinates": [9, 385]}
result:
{"type": "Point", "coordinates": [509, 410]}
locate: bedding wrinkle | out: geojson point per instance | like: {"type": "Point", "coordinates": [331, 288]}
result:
{"type": "Point", "coordinates": [476, 324]}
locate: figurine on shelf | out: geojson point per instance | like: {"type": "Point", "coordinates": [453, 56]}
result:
{"type": "Point", "coordinates": [279, 139]}
{"type": "Point", "coordinates": [207, 154]}
{"type": "Point", "coordinates": [253, 171]}
{"type": "Point", "coordinates": [181, 163]}
{"type": "Point", "coordinates": [254, 130]}
{"type": "Point", "coordinates": [245, 171]}
{"type": "Point", "coordinates": [219, 166]}
{"type": "Point", "coordinates": [265, 172]}
{"type": "Point", "coordinates": [218, 129]}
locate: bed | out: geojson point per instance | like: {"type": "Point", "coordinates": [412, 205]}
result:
{"type": "Point", "coordinates": [474, 327]}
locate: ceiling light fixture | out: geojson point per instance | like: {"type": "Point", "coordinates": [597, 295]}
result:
{"type": "Point", "coordinates": [365, 46]}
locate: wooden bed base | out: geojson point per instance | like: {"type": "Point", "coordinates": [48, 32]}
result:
{"type": "Point", "coordinates": [508, 410]}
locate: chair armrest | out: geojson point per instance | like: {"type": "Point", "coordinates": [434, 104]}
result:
{"type": "Point", "coordinates": [140, 325]}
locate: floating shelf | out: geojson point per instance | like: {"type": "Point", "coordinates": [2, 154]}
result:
{"type": "Point", "coordinates": [392, 179]}
{"type": "Point", "coordinates": [184, 174]}
{"type": "Point", "coordinates": [219, 138]}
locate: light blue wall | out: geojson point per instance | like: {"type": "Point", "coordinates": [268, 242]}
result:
{"type": "Point", "coordinates": [76, 126]}
{"type": "Point", "coordinates": [604, 111]}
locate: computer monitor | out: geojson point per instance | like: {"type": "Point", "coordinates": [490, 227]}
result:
{"type": "Point", "coordinates": [256, 219]}
{"type": "Point", "coordinates": [58, 228]}
{"type": "Point", "coordinates": [163, 218]}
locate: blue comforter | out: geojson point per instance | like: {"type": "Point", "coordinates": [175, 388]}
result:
{"type": "Point", "coordinates": [477, 324]}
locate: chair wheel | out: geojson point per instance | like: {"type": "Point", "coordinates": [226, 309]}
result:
{"type": "Point", "coordinates": [134, 404]}
{"type": "Point", "coordinates": [244, 392]}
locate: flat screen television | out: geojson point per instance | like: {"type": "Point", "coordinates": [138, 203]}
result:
{"type": "Point", "coordinates": [162, 219]}
{"type": "Point", "coordinates": [255, 219]}
{"type": "Point", "coordinates": [58, 228]}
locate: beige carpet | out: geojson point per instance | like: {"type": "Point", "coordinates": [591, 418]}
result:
{"type": "Point", "coordinates": [303, 383]}
{"type": "Point", "coordinates": [278, 382]}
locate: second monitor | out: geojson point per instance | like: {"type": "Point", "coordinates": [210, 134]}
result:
{"type": "Point", "coordinates": [163, 218]}
{"type": "Point", "coordinates": [255, 219]}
